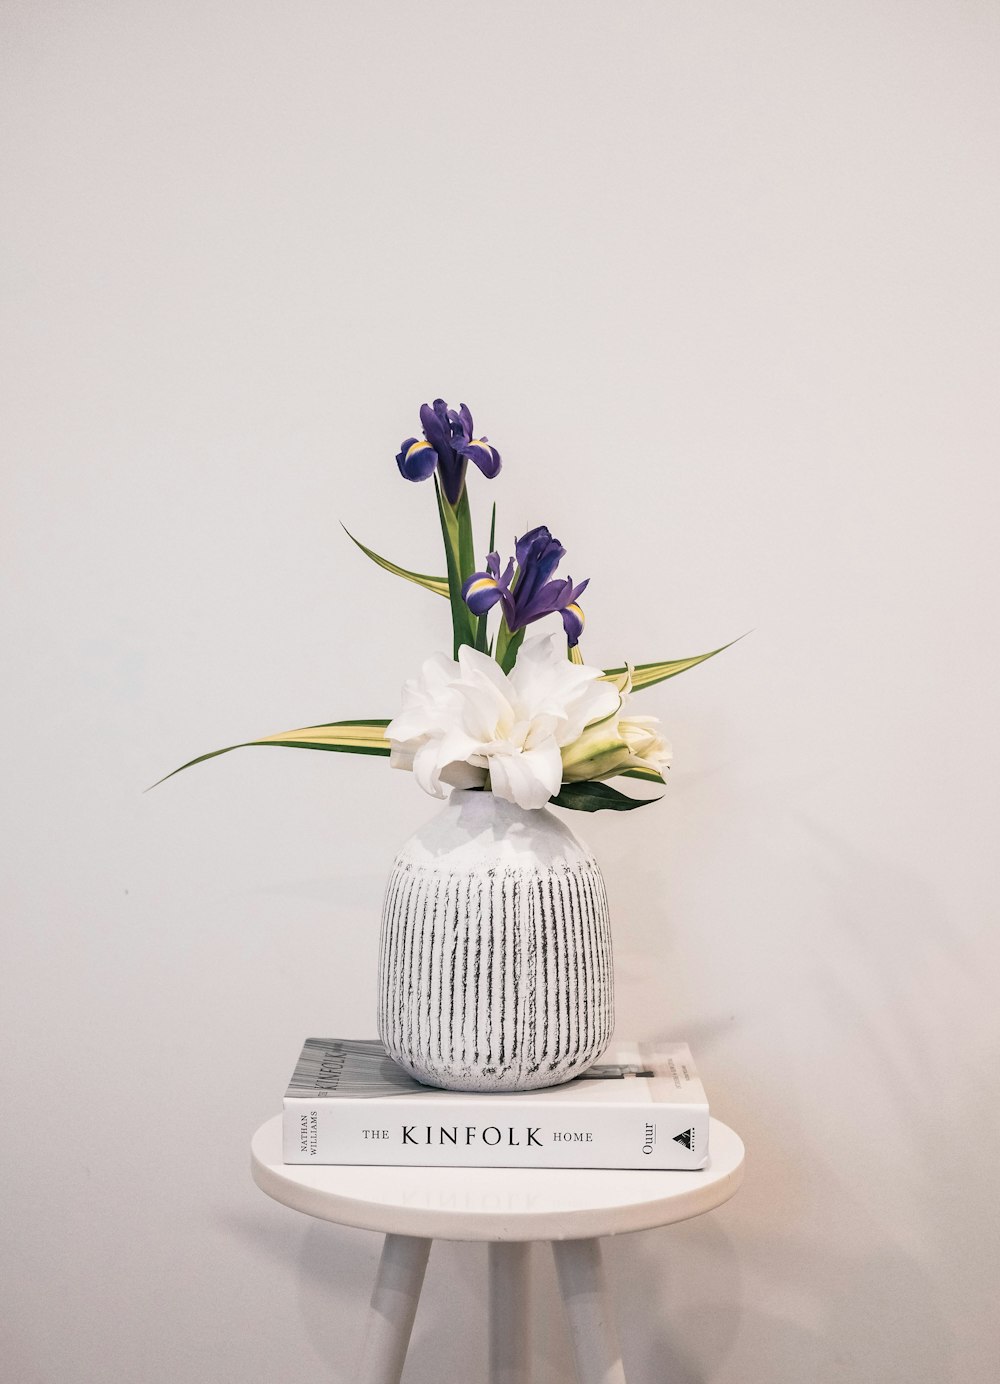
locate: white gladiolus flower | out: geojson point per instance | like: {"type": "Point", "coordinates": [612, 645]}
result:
{"type": "Point", "coordinates": [467, 721]}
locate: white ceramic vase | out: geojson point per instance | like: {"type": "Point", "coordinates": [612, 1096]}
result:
{"type": "Point", "coordinates": [495, 966]}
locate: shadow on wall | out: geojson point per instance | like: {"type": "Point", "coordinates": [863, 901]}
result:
{"type": "Point", "coordinates": [839, 1258]}
{"type": "Point", "coordinates": [679, 1296]}
{"type": "Point", "coordinates": [690, 1299]}
{"type": "Point", "coordinates": [334, 1269]}
{"type": "Point", "coordinates": [449, 1333]}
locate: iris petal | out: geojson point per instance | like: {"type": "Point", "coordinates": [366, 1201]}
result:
{"type": "Point", "coordinates": [481, 592]}
{"type": "Point", "coordinates": [417, 461]}
{"type": "Point", "coordinates": [526, 545]}
{"type": "Point", "coordinates": [545, 600]}
{"type": "Point", "coordinates": [481, 454]}
{"type": "Point", "coordinates": [404, 447]}
{"type": "Point", "coordinates": [437, 430]}
{"type": "Point", "coordinates": [572, 618]}
{"type": "Point", "coordinates": [538, 556]}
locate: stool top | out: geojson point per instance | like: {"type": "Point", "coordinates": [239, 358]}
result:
{"type": "Point", "coordinates": [498, 1203]}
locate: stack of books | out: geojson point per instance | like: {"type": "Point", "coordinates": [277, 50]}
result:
{"type": "Point", "coordinates": [643, 1107]}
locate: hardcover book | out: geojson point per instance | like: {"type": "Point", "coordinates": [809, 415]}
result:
{"type": "Point", "coordinates": [642, 1107]}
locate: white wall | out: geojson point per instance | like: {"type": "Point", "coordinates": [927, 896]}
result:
{"type": "Point", "coordinates": [721, 283]}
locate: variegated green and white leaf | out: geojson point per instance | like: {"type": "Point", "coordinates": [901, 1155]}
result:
{"type": "Point", "coordinates": [647, 674]}
{"type": "Point", "coordinates": [647, 775]}
{"type": "Point", "coordinates": [345, 737]}
{"type": "Point", "coordinates": [439, 585]}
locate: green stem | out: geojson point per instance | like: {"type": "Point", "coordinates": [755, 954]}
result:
{"type": "Point", "coordinates": [507, 646]}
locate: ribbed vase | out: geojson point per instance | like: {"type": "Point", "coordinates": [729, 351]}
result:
{"type": "Point", "coordinates": [495, 966]}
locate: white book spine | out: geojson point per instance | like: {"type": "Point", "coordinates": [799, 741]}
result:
{"type": "Point", "coordinates": [494, 1132]}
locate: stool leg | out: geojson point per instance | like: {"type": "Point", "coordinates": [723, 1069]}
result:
{"type": "Point", "coordinates": [589, 1310]}
{"type": "Point", "coordinates": [393, 1307]}
{"type": "Point", "coordinates": [509, 1316]}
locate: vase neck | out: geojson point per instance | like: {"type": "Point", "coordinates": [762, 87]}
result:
{"type": "Point", "coordinates": [480, 805]}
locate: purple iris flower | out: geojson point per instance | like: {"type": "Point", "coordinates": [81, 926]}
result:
{"type": "Point", "coordinates": [529, 594]}
{"type": "Point", "coordinates": [448, 448]}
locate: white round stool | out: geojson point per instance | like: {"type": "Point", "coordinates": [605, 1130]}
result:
{"type": "Point", "coordinates": [508, 1208]}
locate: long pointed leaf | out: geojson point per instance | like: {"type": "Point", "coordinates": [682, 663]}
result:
{"type": "Point", "coordinates": [466, 539]}
{"type": "Point", "coordinates": [345, 737]}
{"type": "Point", "coordinates": [589, 796]}
{"type": "Point", "coordinates": [451, 526]}
{"type": "Point", "coordinates": [466, 558]}
{"type": "Point", "coordinates": [647, 674]}
{"type": "Point", "coordinates": [439, 585]}
{"type": "Point", "coordinates": [481, 627]}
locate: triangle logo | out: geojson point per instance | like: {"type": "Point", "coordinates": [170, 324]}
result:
{"type": "Point", "coordinates": [687, 1138]}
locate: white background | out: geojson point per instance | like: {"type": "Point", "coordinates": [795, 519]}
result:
{"type": "Point", "coordinates": [720, 282]}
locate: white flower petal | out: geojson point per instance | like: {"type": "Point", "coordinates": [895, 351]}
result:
{"type": "Point", "coordinates": [530, 779]}
{"type": "Point", "coordinates": [595, 702]}
{"type": "Point", "coordinates": [461, 719]}
{"type": "Point", "coordinates": [427, 768]}
{"type": "Point", "coordinates": [482, 711]}
{"type": "Point", "coordinates": [546, 765]}
{"type": "Point", "coordinates": [463, 775]}
{"type": "Point", "coordinates": [644, 737]}
{"type": "Point", "coordinates": [543, 672]}
{"type": "Point", "coordinates": [473, 663]}
{"type": "Point", "coordinates": [546, 683]}
{"type": "Point", "coordinates": [401, 756]}
{"type": "Point", "coordinates": [542, 728]}
{"type": "Point", "coordinates": [426, 700]}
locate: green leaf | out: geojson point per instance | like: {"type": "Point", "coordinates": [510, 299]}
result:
{"type": "Point", "coordinates": [647, 674]}
{"type": "Point", "coordinates": [466, 539]}
{"type": "Point", "coordinates": [453, 521]}
{"type": "Point", "coordinates": [344, 737]}
{"type": "Point", "coordinates": [439, 585]}
{"type": "Point", "coordinates": [593, 797]}
{"type": "Point", "coordinates": [647, 775]}
{"type": "Point", "coordinates": [481, 632]}
{"type": "Point", "coordinates": [508, 645]}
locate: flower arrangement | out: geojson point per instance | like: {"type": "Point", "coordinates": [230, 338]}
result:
{"type": "Point", "coordinates": [524, 718]}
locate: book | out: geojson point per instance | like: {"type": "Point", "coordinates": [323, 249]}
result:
{"type": "Point", "coordinates": [641, 1107]}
